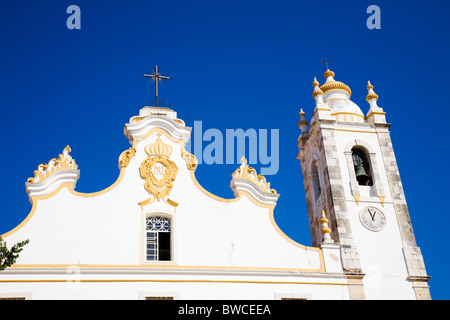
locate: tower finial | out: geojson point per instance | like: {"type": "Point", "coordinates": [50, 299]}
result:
{"type": "Point", "coordinates": [317, 91]}
{"type": "Point", "coordinates": [315, 83]}
{"type": "Point", "coordinates": [375, 114]}
{"type": "Point", "coordinates": [371, 95]}
{"type": "Point", "coordinates": [326, 231]}
{"type": "Point", "coordinates": [303, 123]}
{"type": "Point", "coordinates": [328, 74]}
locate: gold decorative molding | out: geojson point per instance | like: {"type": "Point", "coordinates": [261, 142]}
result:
{"type": "Point", "coordinates": [126, 156]}
{"type": "Point", "coordinates": [371, 113]}
{"type": "Point", "coordinates": [356, 196]}
{"type": "Point", "coordinates": [190, 159]}
{"type": "Point", "coordinates": [360, 131]}
{"type": "Point", "coordinates": [248, 173]}
{"type": "Point", "coordinates": [63, 162]}
{"type": "Point", "coordinates": [158, 170]}
{"type": "Point", "coordinates": [172, 203]}
{"type": "Point", "coordinates": [382, 199]}
{"type": "Point", "coordinates": [317, 92]}
{"type": "Point", "coordinates": [371, 96]}
{"type": "Point", "coordinates": [159, 148]}
{"type": "Point", "coordinates": [320, 109]}
{"type": "Point", "coordinates": [335, 85]}
{"type": "Point", "coordinates": [137, 119]}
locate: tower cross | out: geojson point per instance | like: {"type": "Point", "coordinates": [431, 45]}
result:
{"type": "Point", "coordinates": [156, 77]}
{"type": "Point", "coordinates": [326, 61]}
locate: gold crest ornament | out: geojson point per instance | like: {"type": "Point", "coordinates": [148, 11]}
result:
{"type": "Point", "coordinates": [158, 170]}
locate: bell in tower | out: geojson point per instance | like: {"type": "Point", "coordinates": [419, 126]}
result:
{"type": "Point", "coordinates": [362, 169]}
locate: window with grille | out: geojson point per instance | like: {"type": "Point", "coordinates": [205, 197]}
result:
{"type": "Point", "coordinates": [158, 239]}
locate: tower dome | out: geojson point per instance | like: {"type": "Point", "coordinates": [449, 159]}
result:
{"type": "Point", "coordinates": [337, 95]}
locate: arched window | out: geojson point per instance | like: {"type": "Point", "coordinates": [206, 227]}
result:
{"type": "Point", "coordinates": [158, 243]}
{"type": "Point", "coordinates": [362, 166]}
{"type": "Point", "coordinates": [315, 180]}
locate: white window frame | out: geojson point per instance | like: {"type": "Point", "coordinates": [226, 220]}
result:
{"type": "Point", "coordinates": [144, 239]}
{"type": "Point", "coordinates": [153, 237]}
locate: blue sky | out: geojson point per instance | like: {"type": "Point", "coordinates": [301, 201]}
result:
{"type": "Point", "coordinates": [236, 64]}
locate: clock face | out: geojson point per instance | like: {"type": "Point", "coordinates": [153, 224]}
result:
{"type": "Point", "coordinates": [372, 218]}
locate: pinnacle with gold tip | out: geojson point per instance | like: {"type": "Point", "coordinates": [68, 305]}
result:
{"type": "Point", "coordinates": [371, 95]}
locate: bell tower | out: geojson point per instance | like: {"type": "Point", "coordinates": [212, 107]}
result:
{"type": "Point", "coordinates": [350, 173]}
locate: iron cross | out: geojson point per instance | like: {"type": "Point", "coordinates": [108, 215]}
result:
{"type": "Point", "coordinates": [326, 62]}
{"type": "Point", "coordinates": [156, 77]}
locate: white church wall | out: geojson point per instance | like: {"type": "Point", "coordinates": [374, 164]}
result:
{"type": "Point", "coordinates": [231, 247]}
{"type": "Point", "coordinates": [261, 289]}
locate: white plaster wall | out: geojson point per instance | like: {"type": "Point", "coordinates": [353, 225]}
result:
{"type": "Point", "coordinates": [178, 290]}
{"type": "Point", "coordinates": [106, 229]}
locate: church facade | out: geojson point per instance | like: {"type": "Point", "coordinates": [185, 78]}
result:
{"type": "Point", "coordinates": [156, 233]}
